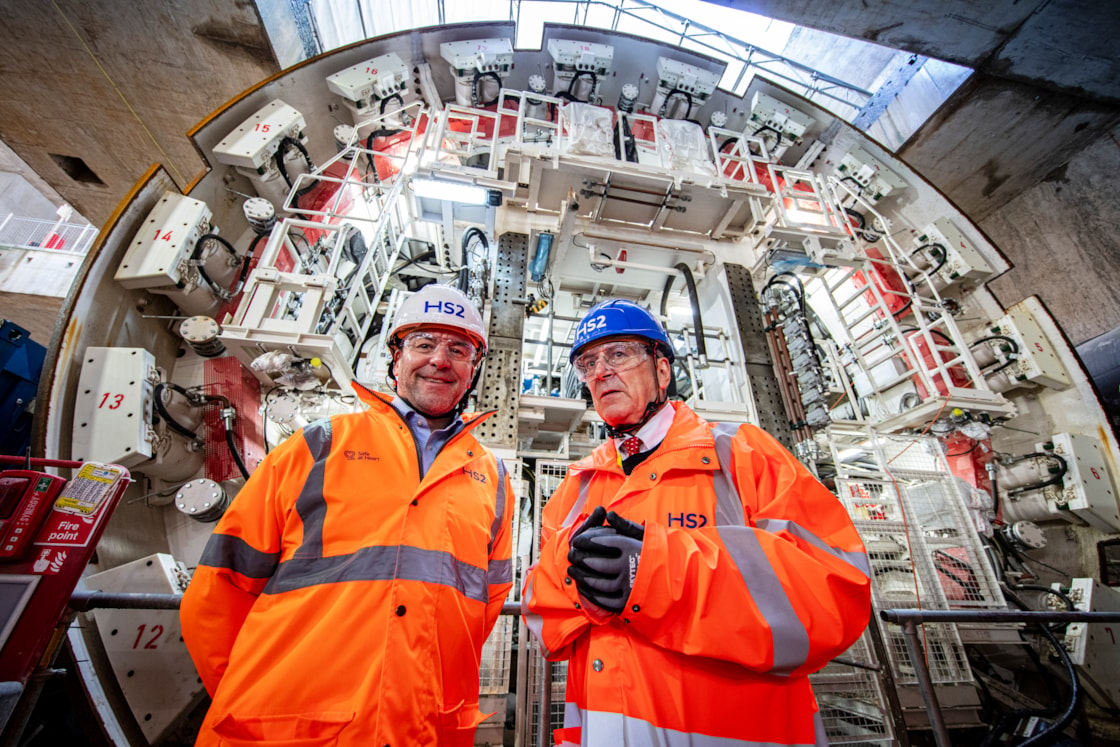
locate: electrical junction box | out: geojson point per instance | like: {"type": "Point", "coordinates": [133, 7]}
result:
{"type": "Point", "coordinates": [159, 252]}
{"type": "Point", "coordinates": [112, 409]}
{"type": "Point", "coordinates": [371, 80]}
{"type": "Point", "coordinates": [581, 56]}
{"type": "Point", "coordinates": [962, 260]}
{"type": "Point", "coordinates": [695, 81]}
{"type": "Point", "coordinates": [145, 647]}
{"type": "Point", "coordinates": [1094, 647]}
{"type": "Point", "coordinates": [256, 140]}
{"type": "Point", "coordinates": [875, 180]}
{"type": "Point", "coordinates": [478, 55]}
{"type": "Point", "coordinates": [1087, 485]}
{"type": "Point", "coordinates": [767, 111]}
{"type": "Point", "coordinates": [1035, 361]}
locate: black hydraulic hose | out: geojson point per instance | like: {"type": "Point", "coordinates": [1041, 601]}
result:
{"type": "Point", "coordinates": [764, 128]}
{"type": "Point", "coordinates": [1014, 345]}
{"type": "Point", "coordinates": [236, 455]}
{"type": "Point", "coordinates": [944, 256]}
{"type": "Point", "coordinates": [687, 98]}
{"type": "Point", "coordinates": [694, 301]}
{"type": "Point", "coordinates": [1051, 734]}
{"type": "Point", "coordinates": [196, 254]}
{"type": "Point", "coordinates": [389, 98]}
{"type": "Point", "coordinates": [1011, 359]}
{"type": "Point", "coordinates": [859, 187]}
{"type": "Point", "coordinates": [172, 423]}
{"type": "Point", "coordinates": [248, 259]}
{"type": "Point", "coordinates": [286, 144]}
{"type": "Point", "coordinates": [384, 132]}
{"type": "Point", "coordinates": [1070, 607]}
{"type": "Point", "coordinates": [995, 491]}
{"type": "Point", "coordinates": [799, 287]}
{"type": "Point", "coordinates": [478, 75]}
{"type": "Point", "coordinates": [1057, 478]}
{"type": "Point", "coordinates": [227, 425]}
{"type": "Point", "coordinates": [469, 235]}
{"type": "Point", "coordinates": [577, 76]}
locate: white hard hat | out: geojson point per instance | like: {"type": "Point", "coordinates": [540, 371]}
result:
{"type": "Point", "coordinates": [439, 306]}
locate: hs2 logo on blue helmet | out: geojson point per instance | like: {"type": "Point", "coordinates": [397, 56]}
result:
{"type": "Point", "coordinates": [587, 326]}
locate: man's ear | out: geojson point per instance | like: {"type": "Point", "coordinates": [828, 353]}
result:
{"type": "Point", "coordinates": [664, 374]}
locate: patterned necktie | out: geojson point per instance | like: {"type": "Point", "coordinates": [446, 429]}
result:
{"type": "Point", "coordinates": [631, 446]}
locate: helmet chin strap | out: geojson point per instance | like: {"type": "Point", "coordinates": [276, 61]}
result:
{"type": "Point", "coordinates": [618, 431]}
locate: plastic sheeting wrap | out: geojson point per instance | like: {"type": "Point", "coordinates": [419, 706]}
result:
{"type": "Point", "coordinates": [684, 147]}
{"type": "Point", "coordinates": [590, 130]}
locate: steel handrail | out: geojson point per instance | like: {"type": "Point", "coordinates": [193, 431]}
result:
{"type": "Point", "coordinates": [909, 619]}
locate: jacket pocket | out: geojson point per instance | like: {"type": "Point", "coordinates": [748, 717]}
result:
{"type": "Point", "coordinates": [317, 729]}
{"type": "Point", "coordinates": [457, 725]}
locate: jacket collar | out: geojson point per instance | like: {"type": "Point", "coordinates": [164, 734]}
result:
{"type": "Point", "coordinates": [687, 431]}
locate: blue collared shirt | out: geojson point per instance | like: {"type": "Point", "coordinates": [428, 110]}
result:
{"type": "Point", "coordinates": [428, 442]}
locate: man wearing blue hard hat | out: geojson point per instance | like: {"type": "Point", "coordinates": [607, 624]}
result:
{"type": "Point", "coordinates": [693, 574]}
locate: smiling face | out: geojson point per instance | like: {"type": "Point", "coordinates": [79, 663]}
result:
{"type": "Point", "coordinates": [432, 372]}
{"type": "Point", "coordinates": [621, 397]}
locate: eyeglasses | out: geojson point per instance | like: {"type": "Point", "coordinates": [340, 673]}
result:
{"type": "Point", "coordinates": [426, 343]}
{"type": "Point", "coordinates": [615, 356]}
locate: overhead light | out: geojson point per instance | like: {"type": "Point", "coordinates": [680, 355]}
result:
{"type": "Point", "coordinates": [466, 194]}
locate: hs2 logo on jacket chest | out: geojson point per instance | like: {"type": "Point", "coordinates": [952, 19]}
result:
{"type": "Point", "coordinates": [688, 521]}
{"type": "Point", "coordinates": [474, 475]}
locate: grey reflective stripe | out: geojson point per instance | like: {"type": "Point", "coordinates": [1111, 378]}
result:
{"type": "Point", "coordinates": [857, 559]}
{"type": "Point", "coordinates": [499, 504]}
{"type": "Point", "coordinates": [790, 639]}
{"type": "Point", "coordinates": [235, 554]}
{"type": "Point", "coordinates": [612, 729]}
{"type": "Point", "coordinates": [584, 485]}
{"type": "Point", "coordinates": [729, 506]}
{"type": "Point", "coordinates": [533, 621]}
{"type": "Point", "coordinates": [311, 506]}
{"type": "Point", "coordinates": [819, 730]}
{"type": "Point", "coordinates": [499, 572]}
{"type": "Point", "coordinates": [382, 563]}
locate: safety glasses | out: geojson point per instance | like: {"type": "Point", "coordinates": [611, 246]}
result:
{"type": "Point", "coordinates": [426, 344]}
{"type": "Point", "coordinates": [615, 357]}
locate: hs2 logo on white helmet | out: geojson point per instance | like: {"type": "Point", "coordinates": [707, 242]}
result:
{"type": "Point", "coordinates": [445, 307]}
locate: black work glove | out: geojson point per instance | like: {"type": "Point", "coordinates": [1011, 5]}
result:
{"type": "Point", "coordinates": [605, 560]}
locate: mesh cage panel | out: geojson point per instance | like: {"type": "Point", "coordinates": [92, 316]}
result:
{"type": "Point", "coordinates": [852, 704]}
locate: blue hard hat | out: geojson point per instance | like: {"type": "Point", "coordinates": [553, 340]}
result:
{"type": "Point", "coordinates": [619, 318]}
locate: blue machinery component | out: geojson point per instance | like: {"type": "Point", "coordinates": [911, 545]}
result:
{"type": "Point", "coordinates": [21, 362]}
{"type": "Point", "coordinates": [540, 258]}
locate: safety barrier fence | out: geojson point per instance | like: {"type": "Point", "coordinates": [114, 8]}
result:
{"type": "Point", "coordinates": [32, 233]}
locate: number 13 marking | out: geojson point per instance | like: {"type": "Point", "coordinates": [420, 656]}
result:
{"type": "Point", "coordinates": [116, 402]}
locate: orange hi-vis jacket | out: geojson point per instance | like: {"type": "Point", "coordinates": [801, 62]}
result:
{"type": "Point", "coordinates": [342, 599]}
{"type": "Point", "coordinates": [751, 577]}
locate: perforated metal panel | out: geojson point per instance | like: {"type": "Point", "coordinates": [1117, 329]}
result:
{"type": "Point", "coordinates": [772, 416]}
{"type": "Point", "coordinates": [500, 386]}
{"type": "Point", "coordinates": [227, 377]}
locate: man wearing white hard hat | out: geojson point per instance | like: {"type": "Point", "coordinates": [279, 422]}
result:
{"type": "Point", "coordinates": [345, 595]}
